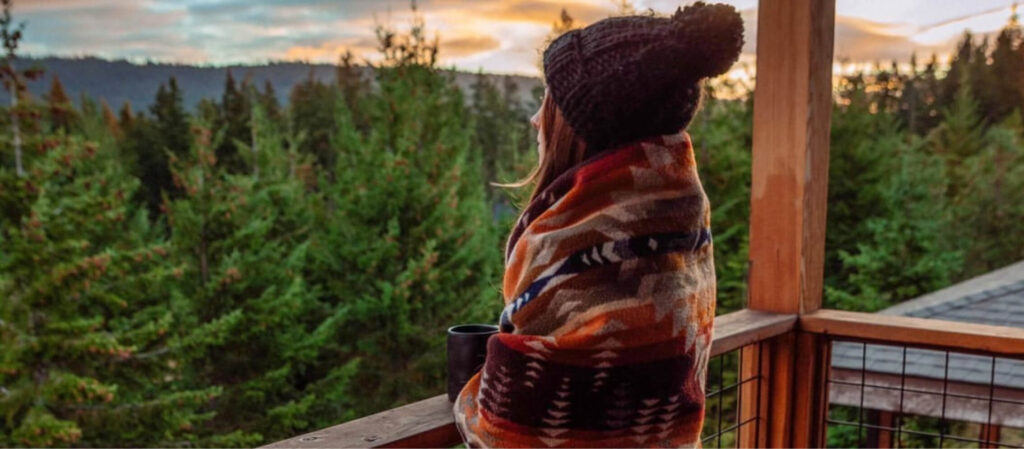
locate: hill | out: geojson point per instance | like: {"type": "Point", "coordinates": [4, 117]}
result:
{"type": "Point", "coordinates": [122, 81]}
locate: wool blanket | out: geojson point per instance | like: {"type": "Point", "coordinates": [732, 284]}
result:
{"type": "Point", "coordinates": [610, 295]}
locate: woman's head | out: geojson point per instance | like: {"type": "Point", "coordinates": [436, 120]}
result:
{"type": "Point", "coordinates": [558, 146]}
{"type": "Point", "coordinates": [627, 78]}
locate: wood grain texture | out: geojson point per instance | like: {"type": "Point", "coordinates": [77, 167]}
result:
{"type": "Point", "coordinates": [792, 114]}
{"type": "Point", "coordinates": [788, 198]}
{"type": "Point", "coordinates": [922, 332]}
{"type": "Point", "coordinates": [738, 329]}
{"type": "Point", "coordinates": [810, 400]}
{"type": "Point", "coordinates": [781, 375]}
{"type": "Point", "coordinates": [754, 396]}
{"type": "Point", "coordinates": [427, 423]}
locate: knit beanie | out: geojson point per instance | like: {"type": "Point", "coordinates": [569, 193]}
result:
{"type": "Point", "coordinates": [627, 78]}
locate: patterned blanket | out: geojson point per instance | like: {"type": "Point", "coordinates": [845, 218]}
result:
{"type": "Point", "coordinates": [610, 296]}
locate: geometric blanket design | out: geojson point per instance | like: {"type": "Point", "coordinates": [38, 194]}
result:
{"type": "Point", "coordinates": [609, 293]}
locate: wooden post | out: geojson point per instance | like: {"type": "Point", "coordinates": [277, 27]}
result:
{"type": "Point", "coordinates": [792, 110]}
{"type": "Point", "coordinates": [883, 436]}
{"type": "Point", "coordinates": [990, 433]}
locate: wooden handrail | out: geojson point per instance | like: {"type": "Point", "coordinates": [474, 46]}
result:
{"type": "Point", "coordinates": [738, 329]}
{"type": "Point", "coordinates": [429, 423]}
{"type": "Point", "coordinates": [968, 337]}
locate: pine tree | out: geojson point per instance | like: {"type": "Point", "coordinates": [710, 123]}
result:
{"type": "Point", "coordinates": [312, 106]}
{"type": "Point", "coordinates": [207, 111]}
{"type": "Point", "coordinates": [171, 120]}
{"type": "Point", "coordinates": [412, 247]}
{"type": "Point", "coordinates": [243, 243]}
{"type": "Point", "coordinates": [268, 101]}
{"type": "Point", "coordinates": [1007, 67]}
{"type": "Point", "coordinates": [85, 350]}
{"type": "Point", "coordinates": [990, 206]}
{"type": "Point", "coordinates": [110, 120]}
{"type": "Point", "coordinates": [14, 80]}
{"type": "Point", "coordinates": [959, 136]}
{"type": "Point", "coordinates": [234, 118]}
{"type": "Point", "coordinates": [60, 111]}
{"type": "Point", "coordinates": [145, 150]}
{"type": "Point", "coordinates": [858, 164]}
{"type": "Point", "coordinates": [92, 124]}
{"type": "Point", "coordinates": [502, 134]}
{"type": "Point", "coordinates": [352, 86]}
{"type": "Point", "coordinates": [902, 248]}
{"type": "Point", "coordinates": [959, 70]}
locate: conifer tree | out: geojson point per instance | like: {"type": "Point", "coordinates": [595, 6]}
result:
{"type": "Point", "coordinates": [959, 69]}
{"type": "Point", "coordinates": [170, 118]}
{"type": "Point", "coordinates": [1007, 70]}
{"type": "Point", "coordinates": [858, 162]}
{"type": "Point", "coordinates": [243, 244]}
{"type": "Point", "coordinates": [502, 133]}
{"type": "Point", "coordinates": [235, 109]}
{"type": "Point", "coordinates": [959, 136]}
{"type": "Point", "coordinates": [312, 105]}
{"type": "Point", "coordinates": [14, 80]}
{"type": "Point", "coordinates": [91, 123]}
{"type": "Point", "coordinates": [412, 248]}
{"type": "Point", "coordinates": [902, 247]}
{"type": "Point", "coordinates": [60, 111]}
{"type": "Point", "coordinates": [268, 101]}
{"type": "Point", "coordinates": [125, 116]}
{"type": "Point", "coordinates": [353, 86]}
{"type": "Point", "coordinates": [207, 111]}
{"type": "Point", "coordinates": [110, 120]}
{"type": "Point", "coordinates": [990, 204]}
{"type": "Point", "coordinates": [85, 329]}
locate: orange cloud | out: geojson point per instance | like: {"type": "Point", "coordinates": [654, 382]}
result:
{"type": "Point", "coordinates": [467, 45]}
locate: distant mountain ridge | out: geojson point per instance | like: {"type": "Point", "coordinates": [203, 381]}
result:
{"type": "Point", "coordinates": [120, 81]}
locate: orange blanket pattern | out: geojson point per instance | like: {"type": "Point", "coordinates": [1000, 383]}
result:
{"type": "Point", "coordinates": [610, 295]}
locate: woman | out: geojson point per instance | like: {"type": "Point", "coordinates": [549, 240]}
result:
{"type": "Point", "coordinates": [609, 283]}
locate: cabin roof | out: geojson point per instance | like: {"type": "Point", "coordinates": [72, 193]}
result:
{"type": "Point", "coordinates": [995, 298]}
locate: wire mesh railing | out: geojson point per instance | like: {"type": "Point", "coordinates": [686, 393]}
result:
{"type": "Point", "coordinates": [732, 376]}
{"type": "Point", "coordinates": [894, 395]}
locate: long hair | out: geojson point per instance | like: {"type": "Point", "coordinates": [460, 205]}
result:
{"type": "Point", "coordinates": [562, 149]}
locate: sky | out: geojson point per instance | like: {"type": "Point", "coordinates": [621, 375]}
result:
{"type": "Point", "coordinates": [499, 36]}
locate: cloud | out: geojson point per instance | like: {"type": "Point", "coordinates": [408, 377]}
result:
{"type": "Point", "coordinates": [468, 45]}
{"type": "Point", "coordinates": [539, 11]}
{"type": "Point", "coordinates": [862, 40]}
{"type": "Point", "coordinates": [493, 35]}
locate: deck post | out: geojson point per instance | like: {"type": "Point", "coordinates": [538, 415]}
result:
{"type": "Point", "coordinates": [792, 112]}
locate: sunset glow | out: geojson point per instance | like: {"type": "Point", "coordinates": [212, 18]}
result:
{"type": "Point", "coordinates": [503, 36]}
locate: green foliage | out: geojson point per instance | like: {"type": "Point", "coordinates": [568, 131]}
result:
{"type": "Point", "coordinates": [249, 271]}
{"type": "Point", "coordinates": [242, 240]}
{"type": "Point", "coordinates": [502, 134]}
{"type": "Point", "coordinates": [149, 141]}
{"type": "Point", "coordinates": [412, 248]}
{"type": "Point", "coordinates": [233, 119]}
{"type": "Point", "coordinates": [312, 107]}
{"type": "Point", "coordinates": [85, 333]}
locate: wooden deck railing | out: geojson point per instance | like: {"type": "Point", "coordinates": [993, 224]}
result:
{"type": "Point", "coordinates": [887, 369]}
{"type": "Point", "coordinates": [918, 332]}
{"type": "Point", "coordinates": [429, 423]}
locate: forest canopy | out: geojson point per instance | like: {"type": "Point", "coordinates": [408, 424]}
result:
{"type": "Point", "coordinates": [251, 270]}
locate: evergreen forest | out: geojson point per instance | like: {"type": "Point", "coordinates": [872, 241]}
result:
{"type": "Point", "coordinates": [250, 270]}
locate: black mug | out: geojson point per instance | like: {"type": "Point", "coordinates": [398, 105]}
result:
{"type": "Point", "coordinates": [467, 350]}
